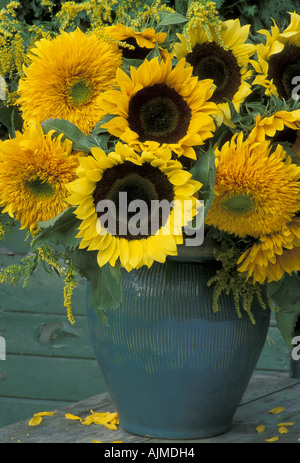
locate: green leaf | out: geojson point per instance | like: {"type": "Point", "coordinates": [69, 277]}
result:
{"type": "Point", "coordinates": [61, 230]}
{"type": "Point", "coordinates": [205, 172]}
{"type": "Point", "coordinates": [154, 53]}
{"type": "Point", "coordinates": [285, 294]}
{"type": "Point", "coordinates": [171, 18]}
{"type": "Point", "coordinates": [105, 282]}
{"type": "Point", "coordinates": [71, 132]}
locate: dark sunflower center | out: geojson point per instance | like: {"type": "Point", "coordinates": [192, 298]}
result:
{"type": "Point", "coordinates": [144, 184]}
{"type": "Point", "coordinates": [158, 113]}
{"type": "Point", "coordinates": [286, 135]}
{"type": "Point", "coordinates": [211, 61]}
{"type": "Point", "coordinates": [80, 92]}
{"type": "Point", "coordinates": [39, 187]}
{"type": "Point", "coordinates": [137, 53]}
{"type": "Point", "coordinates": [283, 67]}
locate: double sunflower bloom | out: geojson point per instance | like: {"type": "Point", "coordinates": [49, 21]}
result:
{"type": "Point", "coordinates": [160, 113]}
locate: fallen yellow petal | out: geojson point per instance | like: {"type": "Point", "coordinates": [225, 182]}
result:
{"type": "Point", "coordinates": [291, 423]}
{"type": "Point", "coordinates": [277, 410]}
{"type": "Point", "coordinates": [283, 430]}
{"type": "Point", "coordinates": [37, 418]}
{"type": "Point", "coordinates": [272, 439]}
{"type": "Point", "coordinates": [260, 428]}
{"type": "Point", "coordinates": [69, 416]}
{"type": "Point", "coordinates": [101, 442]}
{"type": "Point", "coordinates": [107, 419]}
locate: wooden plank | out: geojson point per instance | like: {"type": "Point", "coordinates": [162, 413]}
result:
{"type": "Point", "coordinates": [13, 409]}
{"type": "Point", "coordinates": [261, 385]}
{"type": "Point", "coordinates": [39, 377]}
{"type": "Point", "coordinates": [44, 334]}
{"type": "Point", "coordinates": [57, 429]}
{"type": "Point", "coordinates": [276, 355]}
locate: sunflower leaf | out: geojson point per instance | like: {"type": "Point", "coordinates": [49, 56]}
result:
{"type": "Point", "coordinates": [61, 230]}
{"type": "Point", "coordinates": [285, 294]}
{"type": "Point", "coordinates": [171, 18]}
{"type": "Point", "coordinates": [205, 172]}
{"type": "Point", "coordinates": [105, 282]}
{"type": "Point", "coordinates": [71, 132]}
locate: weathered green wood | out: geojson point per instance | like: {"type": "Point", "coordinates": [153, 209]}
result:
{"type": "Point", "coordinates": [276, 355]}
{"type": "Point", "coordinates": [40, 377]}
{"type": "Point", "coordinates": [13, 410]}
{"type": "Point", "coordinates": [43, 293]}
{"type": "Point", "coordinates": [255, 411]}
{"type": "Point", "coordinates": [44, 334]}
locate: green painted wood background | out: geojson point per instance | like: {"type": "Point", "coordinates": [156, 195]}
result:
{"type": "Point", "coordinates": [49, 362]}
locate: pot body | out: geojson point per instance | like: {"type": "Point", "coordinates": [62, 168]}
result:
{"type": "Point", "coordinates": [174, 368]}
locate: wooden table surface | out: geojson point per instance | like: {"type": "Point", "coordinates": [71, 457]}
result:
{"type": "Point", "coordinates": [265, 392]}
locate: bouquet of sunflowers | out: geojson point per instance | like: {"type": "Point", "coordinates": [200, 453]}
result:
{"type": "Point", "coordinates": [165, 102]}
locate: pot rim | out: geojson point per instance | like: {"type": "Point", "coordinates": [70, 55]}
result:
{"type": "Point", "coordinates": [202, 253]}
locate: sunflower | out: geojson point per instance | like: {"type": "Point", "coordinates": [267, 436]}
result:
{"type": "Point", "coordinates": [257, 190]}
{"type": "Point", "coordinates": [273, 255]}
{"type": "Point", "coordinates": [35, 169]}
{"type": "Point", "coordinates": [158, 106]}
{"type": "Point", "coordinates": [278, 60]}
{"type": "Point", "coordinates": [224, 59]}
{"type": "Point", "coordinates": [140, 42]}
{"type": "Point", "coordinates": [66, 77]}
{"type": "Point", "coordinates": [110, 179]}
{"type": "Point", "coordinates": [281, 127]}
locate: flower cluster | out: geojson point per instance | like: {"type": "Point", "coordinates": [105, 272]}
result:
{"type": "Point", "coordinates": [165, 109]}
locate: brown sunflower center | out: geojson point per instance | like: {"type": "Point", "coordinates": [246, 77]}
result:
{"type": "Point", "coordinates": [286, 135]}
{"type": "Point", "coordinates": [146, 184]}
{"type": "Point", "coordinates": [158, 113]}
{"type": "Point", "coordinates": [211, 61]}
{"type": "Point", "coordinates": [80, 92]}
{"type": "Point", "coordinates": [39, 187]}
{"type": "Point", "coordinates": [283, 67]}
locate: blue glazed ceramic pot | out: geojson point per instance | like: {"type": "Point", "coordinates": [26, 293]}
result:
{"type": "Point", "coordinates": [174, 368]}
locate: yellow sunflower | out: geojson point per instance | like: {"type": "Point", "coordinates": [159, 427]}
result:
{"type": "Point", "coordinates": [107, 188]}
{"type": "Point", "coordinates": [280, 127]}
{"type": "Point", "coordinates": [257, 190]}
{"type": "Point", "coordinates": [273, 255]}
{"type": "Point", "coordinates": [160, 106]}
{"type": "Point", "coordinates": [66, 77]}
{"type": "Point", "coordinates": [278, 60]}
{"type": "Point", "coordinates": [224, 59]}
{"type": "Point", "coordinates": [35, 169]}
{"type": "Point", "coordinates": [140, 42]}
